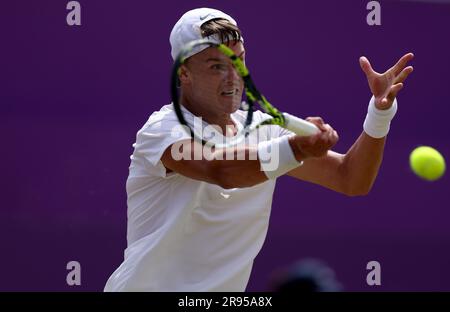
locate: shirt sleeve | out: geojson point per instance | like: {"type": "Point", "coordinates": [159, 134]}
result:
{"type": "Point", "coordinates": [153, 139]}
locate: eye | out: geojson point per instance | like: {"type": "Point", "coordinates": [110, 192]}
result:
{"type": "Point", "coordinates": [218, 67]}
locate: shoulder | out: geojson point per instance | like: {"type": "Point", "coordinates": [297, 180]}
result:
{"type": "Point", "coordinates": [163, 120]}
{"type": "Point", "coordinates": [166, 113]}
{"type": "Point", "coordinates": [160, 131]}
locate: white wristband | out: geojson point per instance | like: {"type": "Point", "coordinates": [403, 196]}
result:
{"type": "Point", "coordinates": [378, 121]}
{"type": "Point", "coordinates": [276, 157]}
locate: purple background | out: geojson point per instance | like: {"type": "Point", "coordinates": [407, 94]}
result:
{"type": "Point", "coordinates": [73, 98]}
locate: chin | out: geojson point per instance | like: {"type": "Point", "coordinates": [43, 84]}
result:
{"type": "Point", "coordinates": [231, 106]}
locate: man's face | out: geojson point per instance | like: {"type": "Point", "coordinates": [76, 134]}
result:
{"type": "Point", "coordinates": [210, 81]}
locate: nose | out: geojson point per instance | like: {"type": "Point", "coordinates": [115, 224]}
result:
{"type": "Point", "coordinates": [232, 74]}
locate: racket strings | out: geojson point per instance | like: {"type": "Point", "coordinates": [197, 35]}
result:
{"type": "Point", "coordinates": [253, 95]}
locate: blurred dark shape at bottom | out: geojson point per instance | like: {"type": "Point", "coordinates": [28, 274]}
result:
{"type": "Point", "coordinates": [306, 276]}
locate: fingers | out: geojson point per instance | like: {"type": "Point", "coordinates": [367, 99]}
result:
{"type": "Point", "coordinates": [330, 136]}
{"type": "Point", "coordinates": [404, 74]}
{"type": "Point", "coordinates": [394, 90]}
{"type": "Point", "coordinates": [327, 137]}
{"type": "Point", "coordinates": [397, 68]}
{"type": "Point", "coordinates": [365, 66]}
{"type": "Point", "coordinates": [391, 82]}
{"type": "Point", "coordinates": [318, 121]}
{"type": "Point", "coordinates": [386, 102]}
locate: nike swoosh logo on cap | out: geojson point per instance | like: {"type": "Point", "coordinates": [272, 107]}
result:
{"type": "Point", "coordinates": [204, 16]}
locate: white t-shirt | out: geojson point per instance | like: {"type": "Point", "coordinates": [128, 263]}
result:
{"type": "Point", "coordinates": [185, 234]}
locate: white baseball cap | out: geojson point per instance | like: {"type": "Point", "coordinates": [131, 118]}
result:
{"type": "Point", "coordinates": [188, 26]}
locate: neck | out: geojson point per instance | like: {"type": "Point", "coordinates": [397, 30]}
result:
{"type": "Point", "coordinates": [222, 120]}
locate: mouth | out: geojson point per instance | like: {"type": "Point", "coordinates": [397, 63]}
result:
{"type": "Point", "coordinates": [230, 92]}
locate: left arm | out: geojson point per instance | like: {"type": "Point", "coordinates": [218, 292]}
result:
{"type": "Point", "coordinates": [355, 172]}
{"type": "Point", "coordinates": [352, 174]}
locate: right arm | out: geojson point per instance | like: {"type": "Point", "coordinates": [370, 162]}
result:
{"type": "Point", "coordinates": [240, 171]}
{"type": "Point", "coordinates": [232, 173]}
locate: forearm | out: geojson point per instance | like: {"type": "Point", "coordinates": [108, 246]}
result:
{"type": "Point", "coordinates": [227, 167]}
{"type": "Point", "coordinates": [363, 160]}
{"type": "Point", "coordinates": [237, 167]}
{"type": "Point", "coordinates": [271, 159]}
{"type": "Point", "coordinates": [361, 164]}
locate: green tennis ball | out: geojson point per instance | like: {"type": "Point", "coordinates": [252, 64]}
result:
{"type": "Point", "coordinates": [427, 163]}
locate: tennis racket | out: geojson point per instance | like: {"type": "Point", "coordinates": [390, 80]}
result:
{"type": "Point", "coordinates": [253, 97]}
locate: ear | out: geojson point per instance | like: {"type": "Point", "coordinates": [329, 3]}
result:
{"type": "Point", "coordinates": [184, 75]}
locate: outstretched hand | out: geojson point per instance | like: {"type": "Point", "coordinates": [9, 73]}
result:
{"type": "Point", "coordinates": [385, 86]}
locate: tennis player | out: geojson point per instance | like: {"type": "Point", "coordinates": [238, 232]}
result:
{"type": "Point", "coordinates": [197, 224]}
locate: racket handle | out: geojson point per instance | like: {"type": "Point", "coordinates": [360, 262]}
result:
{"type": "Point", "coordinates": [299, 126]}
